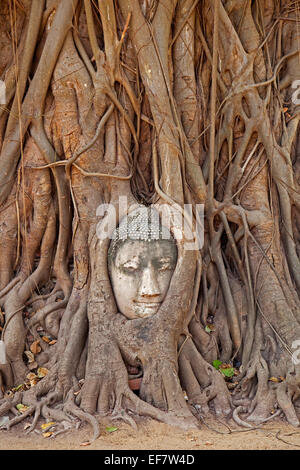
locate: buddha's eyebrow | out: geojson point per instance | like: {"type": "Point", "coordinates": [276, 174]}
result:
{"type": "Point", "coordinates": [135, 259]}
{"type": "Point", "coordinates": [163, 259]}
{"type": "Point", "coordinates": [131, 260]}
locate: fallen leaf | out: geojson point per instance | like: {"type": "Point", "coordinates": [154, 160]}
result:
{"type": "Point", "coordinates": [216, 363]}
{"type": "Point", "coordinates": [31, 376]}
{"type": "Point", "coordinates": [46, 339]}
{"type": "Point", "coordinates": [274, 379]}
{"type": "Point", "coordinates": [47, 425]}
{"type": "Point", "coordinates": [284, 110]}
{"type": "Point", "coordinates": [47, 434]}
{"type": "Point", "coordinates": [15, 389]}
{"type": "Point", "coordinates": [225, 369]}
{"type": "Point", "coordinates": [87, 443]}
{"type": "Point", "coordinates": [34, 381]}
{"type": "Point", "coordinates": [111, 429]}
{"type": "Point", "coordinates": [35, 347]}
{"type": "Point", "coordinates": [22, 408]}
{"type": "Point", "coordinates": [225, 366]}
{"type": "Point", "coordinates": [228, 371]}
{"type": "Point", "coordinates": [53, 342]}
{"type": "Point", "coordinates": [27, 425]}
{"type": "Point", "coordinates": [33, 365]}
{"type": "Point", "coordinates": [30, 356]}
{"type": "Point", "coordinates": [231, 386]}
{"type": "Point", "coordinates": [42, 372]}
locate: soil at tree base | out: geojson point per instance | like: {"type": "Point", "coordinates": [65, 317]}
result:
{"type": "Point", "coordinates": [153, 435]}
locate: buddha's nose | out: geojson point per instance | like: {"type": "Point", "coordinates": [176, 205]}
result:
{"type": "Point", "coordinates": [149, 285]}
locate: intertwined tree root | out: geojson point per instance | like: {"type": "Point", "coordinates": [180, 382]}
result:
{"type": "Point", "coordinates": [164, 102]}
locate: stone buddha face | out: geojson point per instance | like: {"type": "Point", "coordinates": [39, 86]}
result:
{"type": "Point", "coordinates": [140, 272]}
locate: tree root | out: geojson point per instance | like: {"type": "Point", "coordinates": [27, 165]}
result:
{"type": "Point", "coordinates": [18, 419]}
{"type": "Point", "coordinates": [121, 415]}
{"type": "Point", "coordinates": [72, 408]}
{"type": "Point", "coordinates": [261, 399]}
{"type": "Point", "coordinates": [202, 382]}
{"type": "Point", "coordinates": [237, 419]}
{"type": "Point", "coordinates": [284, 401]}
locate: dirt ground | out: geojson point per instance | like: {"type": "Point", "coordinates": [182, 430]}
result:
{"type": "Point", "coordinates": [151, 435]}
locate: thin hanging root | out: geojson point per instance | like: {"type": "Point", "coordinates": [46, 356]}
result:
{"type": "Point", "coordinates": [232, 431]}
{"type": "Point", "coordinates": [283, 440]}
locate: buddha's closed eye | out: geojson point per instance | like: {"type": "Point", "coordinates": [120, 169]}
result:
{"type": "Point", "coordinates": [165, 264]}
{"type": "Point", "coordinates": [161, 264]}
{"type": "Point", "coordinates": [130, 266]}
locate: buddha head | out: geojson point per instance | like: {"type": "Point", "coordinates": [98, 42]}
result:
{"type": "Point", "coordinates": [141, 260]}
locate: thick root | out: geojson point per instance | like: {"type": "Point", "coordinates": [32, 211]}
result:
{"type": "Point", "coordinates": [202, 382]}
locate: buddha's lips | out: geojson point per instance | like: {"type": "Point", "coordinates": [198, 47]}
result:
{"type": "Point", "coordinates": [144, 310]}
{"type": "Point", "coordinates": [148, 304]}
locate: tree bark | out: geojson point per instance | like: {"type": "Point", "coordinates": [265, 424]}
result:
{"type": "Point", "coordinates": [164, 103]}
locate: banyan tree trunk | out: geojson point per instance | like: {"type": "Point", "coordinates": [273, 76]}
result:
{"type": "Point", "coordinates": [161, 103]}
